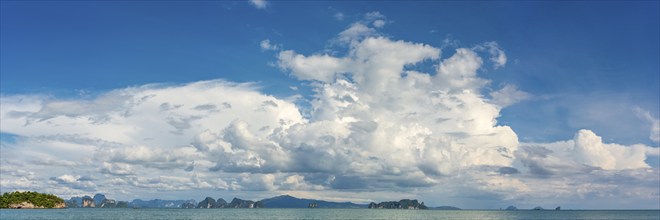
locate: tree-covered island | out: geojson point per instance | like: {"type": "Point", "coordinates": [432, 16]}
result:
{"type": "Point", "coordinates": [30, 200]}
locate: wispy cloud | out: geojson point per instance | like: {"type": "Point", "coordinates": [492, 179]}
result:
{"type": "Point", "coordinates": [260, 4]}
{"type": "Point", "coordinates": [497, 55]}
{"type": "Point", "coordinates": [508, 95]}
{"type": "Point", "coordinates": [339, 16]}
{"type": "Point", "coordinates": [654, 133]}
{"type": "Point", "coordinates": [266, 45]}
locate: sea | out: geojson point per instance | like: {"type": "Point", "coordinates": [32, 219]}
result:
{"type": "Point", "coordinates": [81, 213]}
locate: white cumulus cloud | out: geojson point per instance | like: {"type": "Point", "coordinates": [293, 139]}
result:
{"type": "Point", "coordinates": [589, 149]}
{"type": "Point", "coordinates": [315, 67]}
{"type": "Point", "coordinates": [373, 123]}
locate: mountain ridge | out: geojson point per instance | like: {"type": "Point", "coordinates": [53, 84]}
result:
{"type": "Point", "coordinates": [281, 201]}
{"type": "Point", "coordinates": [287, 201]}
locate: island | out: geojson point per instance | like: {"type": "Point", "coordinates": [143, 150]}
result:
{"type": "Point", "coordinates": [30, 200]}
{"type": "Point", "coordinates": [26, 200]}
{"type": "Point", "coordinates": [98, 201]}
{"type": "Point", "coordinates": [209, 203]}
{"type": "Point", "coordinates": [511, 208]}
{"type": "Point", "coordinates": [401, 204]}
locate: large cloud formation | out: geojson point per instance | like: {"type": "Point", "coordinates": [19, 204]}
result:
{"type": "Point", "coordinates": [375, 124]}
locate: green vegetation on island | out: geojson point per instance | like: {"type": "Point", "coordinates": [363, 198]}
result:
{"type": "Point", "coordinates": [30, 200]}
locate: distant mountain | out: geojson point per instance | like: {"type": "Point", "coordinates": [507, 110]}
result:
{"type": "Point", "coordinates": [287, 201]}
{"type": "Point", "coordinates": [220, 203]}
{"type": "Point", "coordinates": [159, 203]}
{"type": "Point", "coordinates": [282, 201]}
{"type": "Point", "coordinates": [207, 203]}
{"type": "Point", "coordinates": [445, 208]}
{"type": "Point", "coordinates": [188, 205]}
{"type": "Point", "coordinates": [122, 204]}
{"type": "Point", "coordinates": [511, 208]}
{"type": "Point", "coordinates": [240, 203]}
{"type": "Point", "coordinates": [74, 202]}
{"type": "Point", "coordinates": [98, 199]}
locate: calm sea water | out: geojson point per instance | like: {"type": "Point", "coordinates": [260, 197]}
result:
{"type": "Point", "coordinates": [315, 214]}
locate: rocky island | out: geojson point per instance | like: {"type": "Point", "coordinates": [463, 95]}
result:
{"type": "Point", "coordinates": [98, 201]}
{"type": "Point", "coordinates": [30, 200]}
{"type": "Point", "coordinates": [25, 200]}
{"type": "Point", "coordinates": [402, 204]}
{"type": "Point", "coordinates": [209, 203]}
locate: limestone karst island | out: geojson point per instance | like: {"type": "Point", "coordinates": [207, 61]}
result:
{"type": "Point", "coordinates": [35, 200]}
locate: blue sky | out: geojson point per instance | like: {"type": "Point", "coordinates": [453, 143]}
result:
{"type": "Point", "coordinates": [578, 65]}
{"type": "Point", "coordinates": [597, 50]}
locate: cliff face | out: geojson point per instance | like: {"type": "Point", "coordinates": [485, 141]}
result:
{"type": "Point", "coordinates": [98, 201]}
{"type": "Point", "coordinates": [88, 202]}
{"type": "Point", "coordinates": [60, 205]}
{"type": "Point", "coordinates": [29, 205]}
{"type": "Point", "coordinates": [22, 205]}
{"type": "Point", "coordinates": [209, 203]}
{"type": "Point", "coordinates": [108, 203]}
{"type": "Point", "coordinates": [206, 203]}
{"type": "Point", "coordinates": [239, 203]}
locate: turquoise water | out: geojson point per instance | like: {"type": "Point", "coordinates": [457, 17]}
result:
{"type": "Point", "coordinates": [315, 214]}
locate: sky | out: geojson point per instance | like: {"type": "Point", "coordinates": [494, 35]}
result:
{"type": "Point", "coordinates": [470, 104]}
